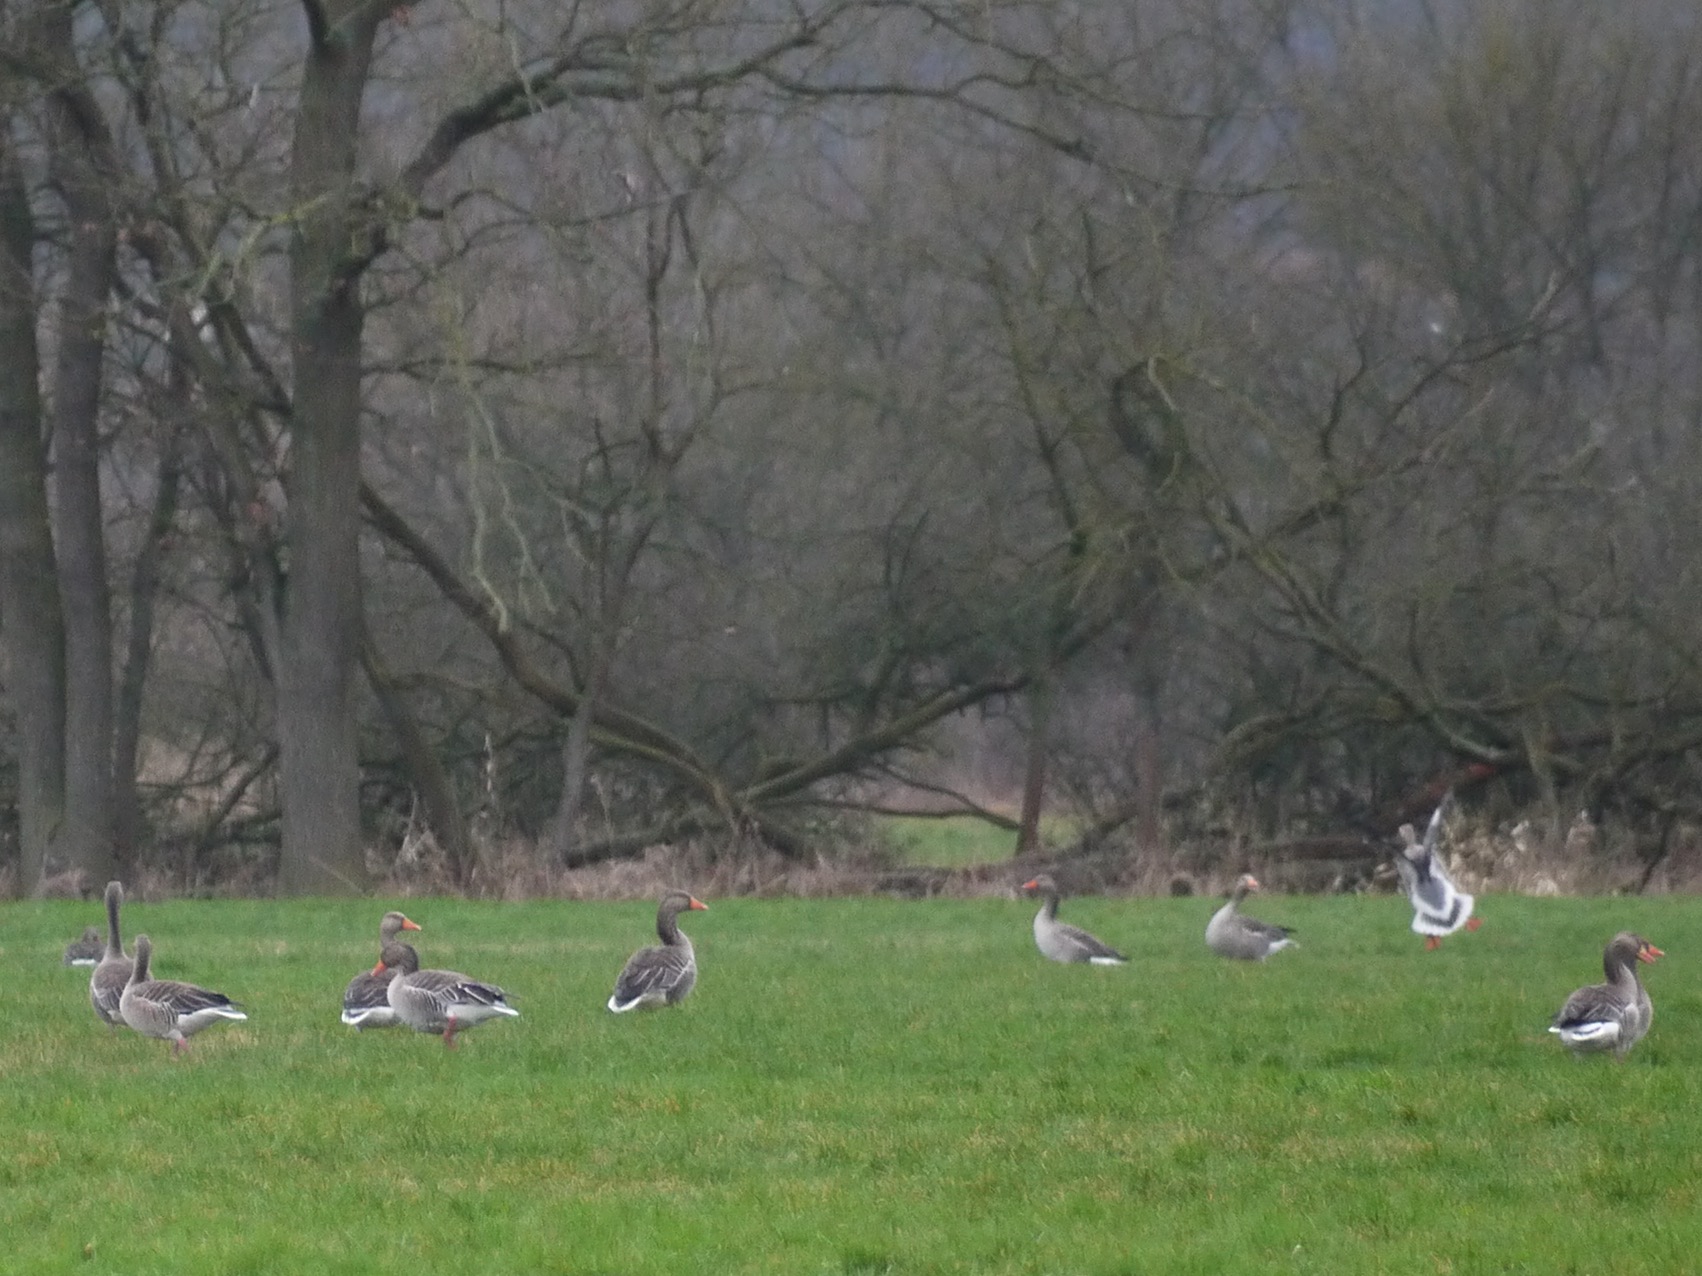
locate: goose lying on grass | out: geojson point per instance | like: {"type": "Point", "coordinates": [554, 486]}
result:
{"type": "Point", "coordinates": [663, 974]}
{"type": "Point", "coordinates": [1061, 941]}
{"type": "Point", "coordinates": [1615, 1015]}
{"type": "Point", "coordinates": [106, 983]}
{"type": "Point", "coordinates": [86, 949]}
{"type": "Point", "coordinates": [1232, 934]}
{"type": "Point", "coordinates": [366, 1001]}
{"type": "Point", "coordinates": [168, 1009]}
{"type": "Point", "coordinates": [1438, 907]}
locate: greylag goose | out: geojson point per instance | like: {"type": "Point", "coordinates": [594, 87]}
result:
{"type": "Point", "coordinates": [1615, 1015]}
{"type": "Point", "coordinates": [664, 973]}
{"type": "Point", "coordinates": [1061, 941]}
{"type": "Point", "coordinates": [106, 983]}
{"type": "Point", "coordinates": [1438, 906]}
{"type": "Point", "coordinates": [86, 949]}
{"type": "Point", "coordinates": [366, 1001]}
{"type": "Point", "coordinates": [1231, 934]}
{"type": "Point", "coordinates": [440, 1001]}
{"type": "Point", "coordinates": [168, 1009]}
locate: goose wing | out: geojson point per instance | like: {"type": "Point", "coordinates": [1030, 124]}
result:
{"type": "Point", "coordinates": [1597, 1018]}
{"type": "Point", "coordinates": [448, 988]}
{"type": "Point", "coordinates": [1438, 906]}
{"type": "Point", "coordinates": [1267, 931]}
{"type": "Point", "coordinates": [1086, 947]}
{"type": "Point", "coordinates": [368, 997]}
{"type": "Point", "coordinates": [653, 974]}
{"type": "Point", "coordinates": [106, 988]}
{"type": "Point", "coordinates": [184, 999]}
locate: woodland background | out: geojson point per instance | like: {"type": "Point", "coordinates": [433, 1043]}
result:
{"type": "Point", "coordinates": [477, 439]}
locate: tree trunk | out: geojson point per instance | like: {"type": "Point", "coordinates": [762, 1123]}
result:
{"type": "Point", "coordinates": [83, 170]}
{"type": "Point", "coordinates": [31, 627]}
{"type": "Point", "coordinates": [321, 622]}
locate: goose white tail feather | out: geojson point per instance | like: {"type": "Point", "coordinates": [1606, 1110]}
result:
{"type": "Point", "coordinates": [1579, 1034]}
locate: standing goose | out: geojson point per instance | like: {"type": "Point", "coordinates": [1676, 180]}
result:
{"type": "Point", "coordinates": [1230, 934]}
{"type": "Point", "coordinates": [366, 1001]}
{"type": "Point", "coordinates": [86, 949]}
{"type": "Point", "coordinates": [1615, 1015]}
{"type": "Point", "coordinates": [106, 983]}
{"type": "Point", "coordinates": [1438, 907]}
{"type": "Point", "coordinates": [440, 1001]}
{"type": "Point", "coordinates": [168, 1009]}
{"type": "Point", "coordinates": [1061, 941]}
{"type": "Point", "coordinates": [662, 974]}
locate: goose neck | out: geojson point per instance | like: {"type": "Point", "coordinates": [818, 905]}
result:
{"type": "Point", "coordinates": [114, 939]}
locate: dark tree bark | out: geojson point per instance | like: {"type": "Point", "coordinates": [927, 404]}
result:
{"type": "Point", "coordinates": [321, 623]}
{"type": "Point", "coordinates": [31, 626]}
{"type": "Point", "coordinates": [85, 173]}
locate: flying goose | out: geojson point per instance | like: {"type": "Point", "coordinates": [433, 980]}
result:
{"type": "Point", "coordinates": [86, 949]}
{"type": "Point", "coordinates": [439, 1001]}
{"type": "Point", "coordinates": [1438, 907]}
{"type": "Point", "coordinates": [1230, 934]}
{"type": "Point", "coordinates": [1615, 1015]}
{"type": "Point", "coordinates": [366, 1001]}
{"type": "Point", "coordinates": [168, 1009]}
{"type": "Point", "coordinates": [106, 982]}
{"type": "Point", "coordinates": [1059, 940]}
{"type": "Point", "coordinates": [664, 973]}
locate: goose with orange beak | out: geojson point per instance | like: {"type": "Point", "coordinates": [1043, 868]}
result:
{"type": "Point", "coordinates": [1615, 1015]}
{"type": "Point", "coordinates": [1232, 934]}
{"type": "Point", "coordinates": [662, 974]}
{"type": "Point", "coordinates": [366, 1001]}
{"type": "Point", "coordinates": [1061, 941]}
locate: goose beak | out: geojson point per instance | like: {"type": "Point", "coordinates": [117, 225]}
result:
{"type": "Point", "coordinates": [1032, 884]}
{"type": "Point", "coordinates": [697, 905]}
{"type": "Point", "coordinates": [379, 969]}
{"type": "Point", "coordinates": [410, 924]}
{"type": "Point", "coordinates": [1648, 952]}
{"type": "Point", "coordinates": [1253, 883]}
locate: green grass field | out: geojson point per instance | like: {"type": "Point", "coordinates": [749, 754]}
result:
{"type": "Point", "coordinates": [862, 1086]}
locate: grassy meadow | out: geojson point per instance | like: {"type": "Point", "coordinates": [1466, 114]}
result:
{"type": "Point", "coordinates": [861, 1086]}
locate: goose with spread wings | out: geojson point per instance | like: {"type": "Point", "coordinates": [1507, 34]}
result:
{"type": "Point", "coordinates": [1439, 907]}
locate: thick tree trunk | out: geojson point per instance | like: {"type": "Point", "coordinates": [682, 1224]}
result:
{"type": "Point", "coordinates": [320, 627]}
{"type": "Point", "coordinates": [31, 627]}
{"type": "Point", "coordinates": [84, 172]}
